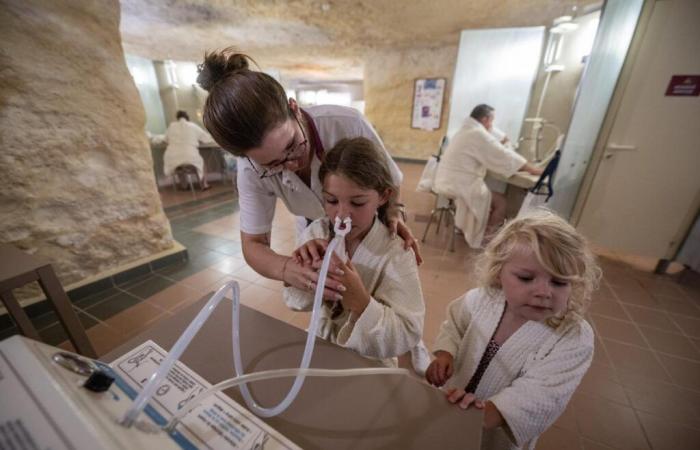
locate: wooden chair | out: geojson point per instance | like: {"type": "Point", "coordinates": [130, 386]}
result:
{"type": "Point", "coordinates": [16, 270]}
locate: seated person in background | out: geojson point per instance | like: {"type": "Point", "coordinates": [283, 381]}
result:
{"type": "Point", "coordinates": [183, 138]}
{"type": "Point", "coordinates": [373, 303]}
{"type": "Point", "coordinates": [518, 346]}
{"type": "Point", "coordinates": [460, 175]}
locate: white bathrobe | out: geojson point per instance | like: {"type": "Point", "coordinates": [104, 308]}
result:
{"type": "Point", "coordinates": [532, 376]}
{"type": "Point", "coordinates": [460, 175]}
{"type": "Point", "coordinates": [183, 138]}
{"type": "Point", "coordinates": [392, 323]}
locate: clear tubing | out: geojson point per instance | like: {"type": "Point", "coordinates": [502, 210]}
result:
{"type": "Point", "coordinates": [183, 341]}
{"type": "Point", "coordinates": [341, 229]}
{"type": "Point", "coordinates": [279, 373]}
{"type": "Point", "coordinates": [308, 349]}
{"type": "Point", "coordinates": [310, 337]}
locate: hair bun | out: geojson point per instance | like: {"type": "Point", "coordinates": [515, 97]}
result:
{"type": "Point", "coordinates": [219, 65]}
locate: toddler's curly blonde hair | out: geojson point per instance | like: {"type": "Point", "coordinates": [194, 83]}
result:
{"type": "Point", "coordinates": [560, 249]}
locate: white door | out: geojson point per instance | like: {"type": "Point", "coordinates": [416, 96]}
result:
{"type": "Point", "coordinates": [648, 183]}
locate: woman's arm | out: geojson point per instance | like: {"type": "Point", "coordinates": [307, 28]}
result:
{"type": "Point", "coordinates": [531, 169]}
{"type": "Point", "coordinates": [270, 264]}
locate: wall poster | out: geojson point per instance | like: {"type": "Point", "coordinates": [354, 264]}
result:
{"type": "Point", "coordinates": [428, 94]}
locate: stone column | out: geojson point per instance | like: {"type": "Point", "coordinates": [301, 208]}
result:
{"type": "Point", "coordinates": [77, 180]}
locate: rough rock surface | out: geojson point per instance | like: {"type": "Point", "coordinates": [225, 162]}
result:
{"type": "Point", "coordinates": [324, 39]}
{"type": "Point", "coordinates": [389, 82]}
{"type": "Point", "coordinates": [78, 185]}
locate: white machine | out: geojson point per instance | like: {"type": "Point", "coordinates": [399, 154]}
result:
{"type": "Point", "coordinates": [54, 399]}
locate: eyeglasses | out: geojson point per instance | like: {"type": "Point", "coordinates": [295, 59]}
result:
{"type": "Point", "coordinates": [268, 171]}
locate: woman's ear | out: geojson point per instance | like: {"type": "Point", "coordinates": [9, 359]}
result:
{"type": "Point", "coordinates": [383, 198]}
{"type": "Point", "coordinates": [294, 107]}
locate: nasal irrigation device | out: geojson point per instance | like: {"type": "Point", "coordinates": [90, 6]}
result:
{"type": "Point", "coordinates": [44, 405]}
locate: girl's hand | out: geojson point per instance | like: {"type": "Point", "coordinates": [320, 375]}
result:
{"type": "Point", "coordinates": [398, 226]}
{"type": "Point", "coordinates": [440, 370]}
{"type": "Point", "coordinates": [354, 296]}
{"type": "Point", "coordinates": [462, 399]}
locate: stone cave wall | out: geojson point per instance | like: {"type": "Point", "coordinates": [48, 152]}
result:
{"type": "Point", "coordinates": [78, 185]}
{"type": "Point", "coordinates": [389, 81]}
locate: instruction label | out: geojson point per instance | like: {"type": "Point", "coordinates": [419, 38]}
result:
{"type": "Point", "coordinates": [218, 422]}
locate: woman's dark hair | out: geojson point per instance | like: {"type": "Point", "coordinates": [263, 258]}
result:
{"type": "Point", "coordinates": [243, 104]}
{"type": "Point", "coordinates": [360, 161]}
{"type": "Point", "coordinates": [481, 111]}
{"type": "Point", "coordinates": [182, 114]}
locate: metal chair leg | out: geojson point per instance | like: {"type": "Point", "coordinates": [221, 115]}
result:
{"type": "Point", "coordinates": [427, 227]}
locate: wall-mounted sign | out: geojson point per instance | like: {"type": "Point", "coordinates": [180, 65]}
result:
{"type": "Point", "coordinates": [427, 103]}
{"type": "Point", "coordinates": [684, 85]}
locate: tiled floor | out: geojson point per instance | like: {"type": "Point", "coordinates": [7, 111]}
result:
{"type": "Point", "coordinates": [642, 391]}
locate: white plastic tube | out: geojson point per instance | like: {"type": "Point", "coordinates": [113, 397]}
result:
{"type": "Point", "coordinates": [341, 229]}
{"type": "Point", "coordinates": [183, 341]}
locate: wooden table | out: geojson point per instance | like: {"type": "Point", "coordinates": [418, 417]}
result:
{"type": "Point", "coordinates": [377, 412]}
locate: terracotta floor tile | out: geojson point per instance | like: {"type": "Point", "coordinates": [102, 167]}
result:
{"type": "Point", "coordinates": [663, 400]}
{"type": "Point", "coordinates": [567, 420]}
{"type": "Point", "coordinates": [229, 265]}
{"type": "Point", "coordinates": [136, 318]}
{"type": "Point", "coordinates": [633, 292]}
{"type": "Point", "coordinates": [618, 330]}
{"type": "Point", "coordinates": [588, 444]}
{"type": "Point", "coordinates": [684, 372]}
{"type": "Point", "coordinates": [172, 297]}
{"type": "Point", "coordinates": [665, 435]}
{"type": "Point", "coordinates": [628, 357]}
{"type": "Point", "coordinates": [204, 281]}
{"type": "Point", "coordinates": [651, 317]}
{"type": "Point", "coordinates": [104, 338]}
{"type": "Point", "coordinates": [609, 308]}
{"type": "Point", "coordinates": [608, 423]}
{"type": "Point", "coordinates": [671, 343]}
{"type": "Point", "coordinates": [247, 273]}
{"type": "Point", "coordinates": [558, 439]}
{"type": "Point", "coordinates": [600, 380]}
{"type": "Point", "coordinates": [661, 286]}
{"type": "Point", "coordinates": [679, 306]}
{"type": "Point", "coordinates": [689, 325]}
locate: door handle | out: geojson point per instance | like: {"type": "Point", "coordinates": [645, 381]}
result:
{"type": "Point", "coordinates": [621, 147]}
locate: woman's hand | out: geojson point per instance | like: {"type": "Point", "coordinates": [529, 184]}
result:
{"type": "Point", "coordinates": [305, 277]}
{"type": "Point", "coordinates": [311, 252]}
{"type": "Point", "coordinates": [463, 399]}
{"type": "Point", "coordinates": [354, 296]}
{"type": "Point", "coordinates": [398, 227]}
{"type": "Point", "coordinates": [440, 370]}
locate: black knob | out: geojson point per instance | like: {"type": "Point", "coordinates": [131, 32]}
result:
{"type": "Point", "coordinates": [99, 381]}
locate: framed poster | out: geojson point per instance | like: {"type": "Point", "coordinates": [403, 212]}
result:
{"type": "Point", "coordinates": [427, 103]}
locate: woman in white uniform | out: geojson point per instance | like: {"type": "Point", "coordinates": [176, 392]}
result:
{"type": "Point", "coordinates": [460, 175]}
{"type": "Point", "coordinates": [280, 147]}
{"type": "Point", "coordinates": [183, 138]}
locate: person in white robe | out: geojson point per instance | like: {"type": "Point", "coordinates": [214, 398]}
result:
{"type": "Point", "coordinates": [460, 174]}
{"type": "Point", "coordinates": [392, 323]}
{"type": "Point", "coordinates": [183, 138]}
{"type": "Point", "coordinates": [532, 376]}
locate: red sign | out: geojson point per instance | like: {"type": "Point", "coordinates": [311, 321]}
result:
{"type": "Point", "coordinates": [684, 85]}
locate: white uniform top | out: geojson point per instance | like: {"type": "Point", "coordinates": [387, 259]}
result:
{"type": "Point", "coordinates": [392, 323]}
{"type": "Point", "coordinates": [461, 171]}
{"type": "Point", "coordinates": [257, 197]}
{"type": "Point", "coordinates": [183, 138]}
{"type": "Point", "coordinates": [532, 376]}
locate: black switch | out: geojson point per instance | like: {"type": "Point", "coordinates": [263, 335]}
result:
{"type": "Point", "coordinates": [99, 381]}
